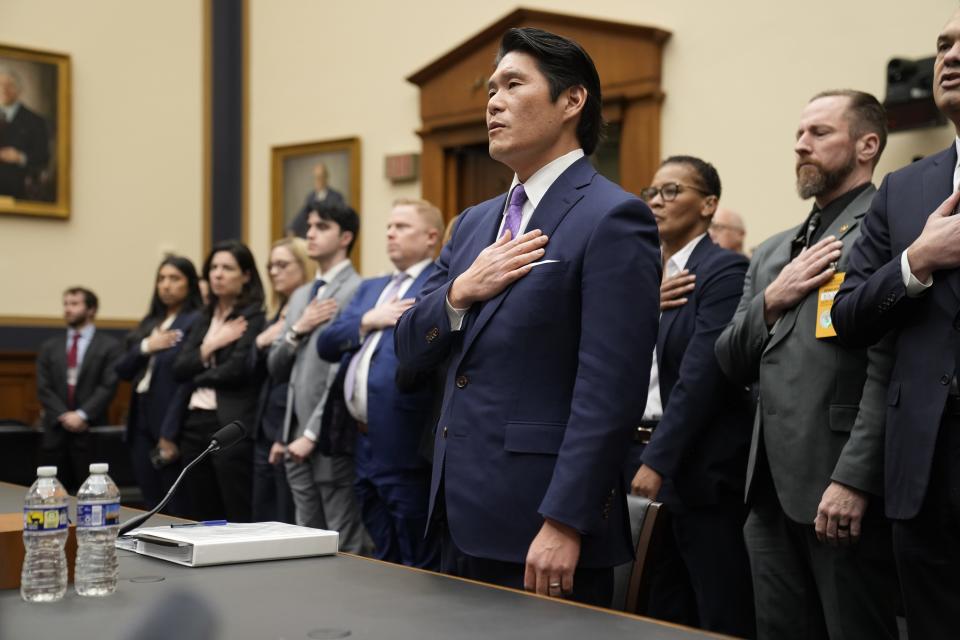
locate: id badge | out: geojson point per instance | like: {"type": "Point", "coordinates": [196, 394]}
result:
{"type": "Point", "coordinates": [825, 297]}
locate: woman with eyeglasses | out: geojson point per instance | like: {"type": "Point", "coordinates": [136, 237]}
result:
{"type": "Point", "coordinates": [223, 388]}
{"type": "Point", "coordinates": [690, 450]}
{"type": "Point", "coordinates": [154, 417]}
{"type": "Point", "coordinates": [289, 268]}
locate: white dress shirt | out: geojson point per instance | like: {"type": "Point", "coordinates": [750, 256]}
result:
{"type": "Point", "coordinates": [144, 384]}
{"type": "Point", "coordinates": [915, 288]}
{"type": "Point", "coordinates": [535, 187]}
{"type": "Point", "coordinates": [676, 264]}
{"type": "Point", "coordinates": [357, 405]}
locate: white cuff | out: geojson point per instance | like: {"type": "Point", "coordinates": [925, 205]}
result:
{"type": "Point", "coordinates": [915, 288]}
{"type": "Point", "coordinates": [83, 414]}
{"type": "Point", "coordinates": [144, 348]}
{"type": "Point", "coordinates": [455, 316]}
{"type": "Point", "coordinates": [311, 436]}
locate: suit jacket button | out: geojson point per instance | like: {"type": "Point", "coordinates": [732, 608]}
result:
{"type": "Point", "coordinates": [944, 379]}
{"type": "Point", "coordinates": [444, 433]}
{"type": "Point", "coordinates": [462, 381]}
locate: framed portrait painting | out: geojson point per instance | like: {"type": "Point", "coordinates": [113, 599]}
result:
{"type": "Point", "coordinates": [303, 174]}
{"type": "Point", "coordinates": [34, 132]}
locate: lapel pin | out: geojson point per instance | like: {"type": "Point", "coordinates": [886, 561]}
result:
{"type": "Point", "coordinates": [844, 227]}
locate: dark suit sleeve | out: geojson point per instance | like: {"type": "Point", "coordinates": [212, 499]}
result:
{"type": "Point", "coordinates": [873, 299]}
{"type": "Point", "coordinates": [132, 361]}
{"type": "Point", "coordinates": [423, 338]}
{"type": "Point", "coordinates": [343, 334]}
{"type": "Point", "coordinates": [96, 403]}
{"type": "Point", "coordinates": [620, 296]}
{"type": "Point", "coordinates": [53, 405]}
{"type": "Point", "coordinates": [740, 346]}
{"type": "Point", "coordinates": [235, 369]}
{"type": "Point", "coordinates": [695, 397]}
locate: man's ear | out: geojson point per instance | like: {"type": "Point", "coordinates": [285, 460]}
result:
{"type": "Point", "coordinates": [576, 99]}
{"type": "Point", "coordinates": [346, 237]}
{"type": "Point", "coordinates": [868, 146]}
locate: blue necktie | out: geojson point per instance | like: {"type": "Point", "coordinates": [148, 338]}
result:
{"type": "Point", "coordinates": [319, 282]}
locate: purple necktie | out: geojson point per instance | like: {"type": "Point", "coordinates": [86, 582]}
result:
{"type": "Point", "coordinates": [515, 212]}
{"type": "Point", "coordinates": [351, 378]}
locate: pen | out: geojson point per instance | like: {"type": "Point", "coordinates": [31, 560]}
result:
{"type": "Point", "coordinates": [204, 523]}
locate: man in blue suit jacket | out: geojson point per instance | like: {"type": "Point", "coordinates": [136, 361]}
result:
{"type": "Point", "coordinates": [903, 278]}
{"type": "Point", "coordinates": [546, 342]}
{"type": "Point", "coordinates": [691, 452]}
{"type": "Point", "coordinates": [393, 479]}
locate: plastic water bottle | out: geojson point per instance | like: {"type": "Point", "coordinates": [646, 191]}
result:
{"type": "Point", "coordinates": [98, 520]}
{"type": "Point", "coordinates": [45, 530]}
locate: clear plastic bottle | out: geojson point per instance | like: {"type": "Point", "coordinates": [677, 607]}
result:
{"type": "Point", "coordinates": [45, 530]}
{"type": "Point", "coordinates": [98, 520]}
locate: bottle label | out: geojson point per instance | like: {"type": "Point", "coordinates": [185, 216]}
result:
{"type": "Point", "coordinates": [103, 514]}
{"type": "Point", "coordinates": [45, 518]}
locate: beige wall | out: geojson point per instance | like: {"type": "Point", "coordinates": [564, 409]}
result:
{"type": "Point", "coordinates": [736, 75]}
{"type": "Point", "coordinates": [136, 147]}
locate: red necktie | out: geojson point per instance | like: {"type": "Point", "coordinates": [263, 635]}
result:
{"type": "Point", "coordinates": [72, 369]}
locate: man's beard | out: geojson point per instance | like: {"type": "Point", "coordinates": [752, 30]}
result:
{"type": "Point", "coordinates": [813, 180]}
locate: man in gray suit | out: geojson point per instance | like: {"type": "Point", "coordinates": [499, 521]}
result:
{"type": "Point", "coordinates": [322, 485]}
{"type": "Point", "coordinates": [820, 549]}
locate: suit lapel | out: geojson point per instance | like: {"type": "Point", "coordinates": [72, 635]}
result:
{"type": "Point", "coordinates": [704, 247]}
{"type": "Point", "coordinates": [937, 185]}
{"type": "Point", "coordinates": [565, 192]}
{"type": "Point", "coordinates": [337, 282]}
{"type": "Point", "coordinates": [779, 259]}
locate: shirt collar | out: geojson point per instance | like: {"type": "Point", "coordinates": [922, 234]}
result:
{"type": "Point", "coordinates": [85, 334]}
{"type": "Point", "coordinates": [334, 271]}
{"type": "Point", "coordinates": [680, 258]}
{"type": "Point", "coordinates": [415, 271]}
{"type": "Point", "coordinates": [11, 111]}
{"type": "Point", "coordinates": [537, 185]}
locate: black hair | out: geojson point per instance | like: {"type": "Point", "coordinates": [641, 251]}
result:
{"type": "Point", "coordinates": [565, 64]}
{"type": "Point", "coordinates": [252, 292]}
{"type": "Point", "coordinates": [345, 217]}
{"type": "Point", "coordinates": [158, 310]}
{"type": "Point", "coordinates": [706, 173]}
{"type": "Point", "coordinates": [89, 297]}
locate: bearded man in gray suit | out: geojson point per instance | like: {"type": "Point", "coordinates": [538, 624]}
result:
{"type": "Point", "coordinates": [322, 485]}
{"type": "Point", "coordinates": [819, 546]}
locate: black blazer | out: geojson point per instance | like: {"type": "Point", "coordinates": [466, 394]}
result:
{"type": "Point", "coordinates": [232, 377]}
{"type": "Point", "coordinates": [27, 133]}
{"type": "Point", "coordinates": [162, 401]}
{"type": "Point", "coordinates": [703, 438]}
{"type": "Point", "coordinates": [272, 401]}
{"type": "Point", "coordinates": [96, 382]}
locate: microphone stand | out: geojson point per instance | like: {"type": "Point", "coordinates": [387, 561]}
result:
{"type": "Point", "coordinates": [136, 521]}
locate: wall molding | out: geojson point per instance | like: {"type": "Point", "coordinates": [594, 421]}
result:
{"type": "Point", "coordinates": [56, 322]}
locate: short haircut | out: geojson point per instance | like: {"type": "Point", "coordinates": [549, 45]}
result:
{"type": "Point", "coordinates": [565, 64]}
{"type": "Point", "coordinates": [252, 292]}
{"type": "Point", "coordinates": [429, 213]}
{"type": "Point", "coordinates": [865, 114]}
{"type": "Point", "coordinates": [345, 217]}
{"type": "Point", "coordinates": [706, 173]}
{"type": "Point", "coordinates": [7, 71]}
{"type": "Point", "coordinates": [89, 297]}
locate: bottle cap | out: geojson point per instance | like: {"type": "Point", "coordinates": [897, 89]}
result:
{"type": "Point", "coordinates": [99, 467]}
{"type": "Point", "coordinates": [46, 472]}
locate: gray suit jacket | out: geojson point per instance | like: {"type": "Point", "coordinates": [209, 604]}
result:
{"type": "Point", "coordinates": [821, 406]}
{"type": "Point", "coordinates": [309, 376]}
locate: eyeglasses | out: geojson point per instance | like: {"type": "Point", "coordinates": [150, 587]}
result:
{"type": "Point", "coordinates": [279, 265]}
{"type": "Point", "coordinates": [668, 191]}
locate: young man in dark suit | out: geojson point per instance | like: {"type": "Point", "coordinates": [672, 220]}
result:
{"type": "Point", "coordinates": [691, 451]}
{"type": "Point", "coordinates": [75, 384]}
{"type": "Point", "coordinates": [544, 307]}
{"type": "Point", "coordinates": [393, 479]}
{"type": "Point", "coordinates": [903, 279]}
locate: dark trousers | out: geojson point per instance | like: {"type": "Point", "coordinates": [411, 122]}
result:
{"type": "Point", "coordinates": [394, 511]}
{"type": "Point", "coordinates": [153, 483]}
{"type": "Point", "coordinates": [701, 573]}
{"type": "Point", "coordinates": [221, 486]}
{"type": "Point", "coordinates": [272, 500]}
{"type": "Point", "coordinates": [927, 547]}
{"type": "Point", "coordinates": [590, 586]}
{"type": "Point", "coordinates": [72, 456]}
{"type": "Point", "coordinates": [805, 589]}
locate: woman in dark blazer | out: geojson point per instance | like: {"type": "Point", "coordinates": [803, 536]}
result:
{"type": "Point", "coordinates": [215, 362]}
{"type": "Point", "coordinates": [148, 364]}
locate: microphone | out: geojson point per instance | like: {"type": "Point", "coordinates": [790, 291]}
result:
{"type": "Point", "coordinates": [225, 437]}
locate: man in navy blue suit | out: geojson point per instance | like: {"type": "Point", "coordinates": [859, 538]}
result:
{"type": "Point", "coordinates": [903, 279]}
{"type": "Point", "coordinates": [543, 306]}
{"type": "Point", "coordinates": [393, 479]}
{"type": "Point", "coordinates": [691, 450]}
